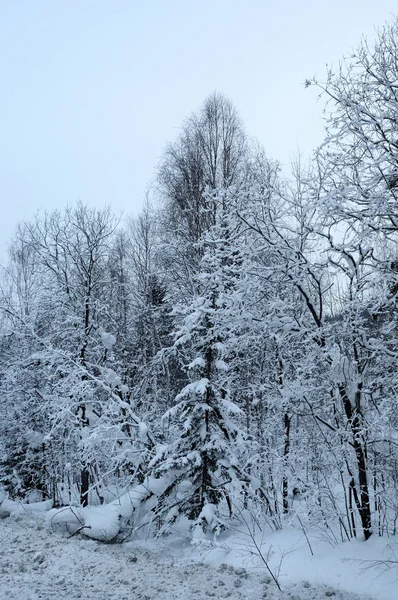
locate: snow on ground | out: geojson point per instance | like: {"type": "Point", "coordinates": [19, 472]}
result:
{"type": "Point", "coordinates": [37, 564]}
{"type": "Point", "coordinates": [369, 569]}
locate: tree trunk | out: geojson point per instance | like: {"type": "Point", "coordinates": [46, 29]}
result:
{"type": "Point", "coordinates": [84, 486]}
{"type": "Point", "coordinates": [286, 448]}
{"type": "Point", "coordinates": [355, 421]}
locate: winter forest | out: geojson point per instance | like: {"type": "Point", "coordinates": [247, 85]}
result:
{"type": "Point", "coordinates": [231, 351]}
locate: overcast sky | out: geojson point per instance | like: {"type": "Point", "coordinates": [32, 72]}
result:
{"type": "Point", "coordinates": [91, 90]}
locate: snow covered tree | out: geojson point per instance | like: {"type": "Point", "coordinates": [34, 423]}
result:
{"type": "Point", "coordinates": [82, 397]}
{"type": "Point", "coordinates": [210, 153]}
{"type": "Point", "coordinates": [358, 160]}
{"type": "Point", "coordinates": [151, 322]}
{"type": "Point", "coordinates": [202, 459]}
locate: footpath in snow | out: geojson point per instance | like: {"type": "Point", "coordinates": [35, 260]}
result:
{"type": "Point", "coordinates": [36, 564]}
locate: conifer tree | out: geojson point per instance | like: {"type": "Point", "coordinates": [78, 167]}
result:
{"type": "Point", "coordinates": [202, 461]}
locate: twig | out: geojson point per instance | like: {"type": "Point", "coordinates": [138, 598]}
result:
{"type": "Point", "coordinates": [78, 530]}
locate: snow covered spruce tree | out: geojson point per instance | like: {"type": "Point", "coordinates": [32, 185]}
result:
{"type": "Point", "coordinates": [201, 462]}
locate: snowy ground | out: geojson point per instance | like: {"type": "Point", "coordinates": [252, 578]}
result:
{"type": "Point", "coordinates": [36, 564]}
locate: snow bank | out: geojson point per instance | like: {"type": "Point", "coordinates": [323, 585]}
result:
{"type": "Point", "coordinates": [100, 522]}
{"type": "Point", "coordinates": [97, 522]}
{"type": "Point", "coordinates": [67, 518]}
{"type": "Point", "coordinates": [106, 521]}
{"type": "Point", "coordinates": [10, 508]}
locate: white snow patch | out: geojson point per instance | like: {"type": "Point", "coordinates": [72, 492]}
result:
{"type": "Point", "coordinates": [12, 508]}
{"type": "Point", "coordinates": [39, 565]}
{"type": "Point", "coordinates": [108, 340]}
{"type": "Point", "coordinates": [101, 522]}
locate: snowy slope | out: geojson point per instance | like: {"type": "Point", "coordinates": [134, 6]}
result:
{"type": "Point", "coordinates": [38, 565]}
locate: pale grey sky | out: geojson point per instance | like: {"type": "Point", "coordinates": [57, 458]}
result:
{"type": "Point", "coordinates": [91, 90]}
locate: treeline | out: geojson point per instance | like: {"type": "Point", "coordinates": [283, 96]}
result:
{"type": "Point", "coordinates": [235, 346]}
